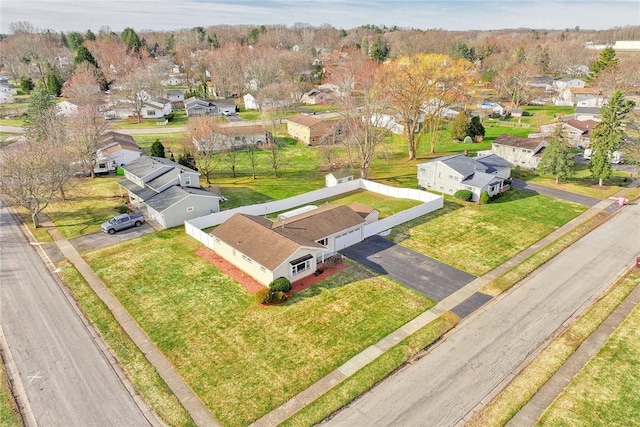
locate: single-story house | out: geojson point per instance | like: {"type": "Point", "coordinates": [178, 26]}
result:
{"type": "Point", "coordinates": [115, 150]}
{"type": "Point", "coordinates": [369, 214]}
{"type": "Point", "coordinates": [225, 138]}
{"type": "Point", "coordinates": [575, 95]}
{"type": "Point", "coordinates": [313, 129]}
{"type": "Point", "coordinates": [459, 172]}
{"type": "Point", "coordinates": [204, 107]}
{"type": "Point", "coordinates": [292, 247]}
{"type": "Point", "coordinates": [493, 107]}
{"type": "Point", "coordinates": [545, 83]}
{"type": "Point", "coordinates": [338, 177]}
{"type": "Point", "coordinates": [520, 151]}
{"type": "Point", "coordinates": [170, 192]}
{"type": "Point", "coordinates": [317, 96]}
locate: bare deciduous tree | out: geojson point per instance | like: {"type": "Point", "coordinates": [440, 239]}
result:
{"type": "Point", "coordinates": [85, 131]}
{"type": "Point", "coordinates": [136, 88]}
{"type": "Point", "coordinates": [205, 143]}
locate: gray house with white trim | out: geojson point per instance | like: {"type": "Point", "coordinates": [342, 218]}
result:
{"type": "Point", "coordinates": [459, 172]}
{"type": "Point", "coordinates": [170, 192]}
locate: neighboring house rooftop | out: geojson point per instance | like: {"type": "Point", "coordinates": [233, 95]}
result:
{"type": "Point", "coordinates": [588, 110]}
{"type": "Point", "coordinates": [519, 141]}
{"type": "Point", "coordinates": [584, 90]}
{"type": "Point", "coordinates": [492, 162]}
{"type": "Point", "coordinates": [145, 165]}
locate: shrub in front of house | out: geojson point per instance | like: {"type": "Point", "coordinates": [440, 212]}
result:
{"type": "Point", "coordinates": [278, 297]}
{"type": "Point", "coordinates": [281, 284]}
{"type": "Point", "coordinates": [484, 198]}
{"type": "Point", "coordinates": [263, 296]}
{"type": "Point", "coordinates": [465, 195]}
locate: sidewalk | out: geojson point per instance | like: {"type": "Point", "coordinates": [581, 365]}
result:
{"type": "Point", "coordinates": [530, 412]}
{"type": "Point", "coordinates": [198, 412]}
{"type": "Point", "coordinates": [357, 362]}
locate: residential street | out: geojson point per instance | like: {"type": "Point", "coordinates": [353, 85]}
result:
{"type": "Point", "coordinates": [67, 378]}
{"type": "Point", "coordinates": [486, 350]}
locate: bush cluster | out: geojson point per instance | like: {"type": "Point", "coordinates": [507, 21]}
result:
{"type": "Point", "coordinates": [465, 195]}
{"type": "Point", "coordinates": [484, 198]}
{"type": "Point", "coordinates": [281, 284]}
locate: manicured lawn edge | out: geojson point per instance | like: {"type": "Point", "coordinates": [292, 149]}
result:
{"type": "Point", "coordinates": [524, 385]}
{"type": "Point", "coordinates": [9, 414]}
{"type": "Point", "coordinates": [135, 365]}
{"type": "Point", "coordinates": [522, 270]}
{"type": "Point", "coordinates": [373, 373]}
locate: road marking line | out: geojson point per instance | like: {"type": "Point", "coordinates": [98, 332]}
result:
{"type": "Point", "coordinates": [33, 377]}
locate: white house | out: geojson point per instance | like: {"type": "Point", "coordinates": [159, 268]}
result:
{"type": "Point", "coordinates": [250, 102]}
{"type": "Point", "coordinates": [175, 95]}
{"type": "Point", "coordinates": [520, 151]}
{"type": "Point", "coordinates": [7, 90]}
{"type": "Point", "coordinates": [156, 108]}
{"type": "Point", "coordinates": [459, 172]}
{"type": "Point", "coordinates": [292, 247]}
{"type": "Point", "coordinates": [560, 85]}
{"type": "Point", "coordinates": [115, 150]}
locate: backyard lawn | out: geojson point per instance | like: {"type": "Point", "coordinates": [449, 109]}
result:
{"type": "Point", "coordinates": [241, 358]}
{"type": "Point", "coordinates": [478, 238]}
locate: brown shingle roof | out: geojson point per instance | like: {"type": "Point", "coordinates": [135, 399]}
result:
{"type": "Point", "coordinates": [271, 243]}
{"type": "Point", "coordinates": [361, 209]}
{"type": "Point", "coordinates": [519, 141]}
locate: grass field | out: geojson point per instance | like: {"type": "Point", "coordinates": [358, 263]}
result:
{"type": "Point", "coordinates": [478, 238]}
{"type": "Point", "coordinates": [9, 414]}
{"type": "Point", "coordinates": [241, 358]}
{"type": "Point", "coordinates": [605, 392]}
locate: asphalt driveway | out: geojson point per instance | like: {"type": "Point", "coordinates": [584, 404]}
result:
{"type": "Point", "coordinates": [556, 193]}
{"type": "Point", "coordinates": [432, 278]}
{"type": "Point", "coordinates": [99, 240]}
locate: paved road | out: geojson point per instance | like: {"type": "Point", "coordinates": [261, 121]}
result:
{"type": "Point", "coordinates": [428, 276]}
{"type": "Point", "coordinates": [67, 379]}
{"type": "Point", "coordinates": [452, 379]}
{"type": "Point", "coordinates": [556, 193]}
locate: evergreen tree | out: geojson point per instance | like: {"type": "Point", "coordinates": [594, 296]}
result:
{"type": "Point", "coordinates": [157, 149]}
{"type": "Point", "coordinates": [83, 55]}
{"type": "Point", "coordinates": [557, 157]}
{"type": "Point", "coordinates": [475, 128]}
{"type": "Point", "coordinates": [607, 135]}
{"type": "Point", "coordinates": [54, 85]}
{"type": "Point", "coordinates": [186, 159]}
{"type": "Point", "coordinates": [521, 55]}
{"type": "Point", "coordinates": [26, 84]}
{"type": "Point", "coordinates": [131, 39]}
{"type": "Point", "coordinates": [379, 50]}
{"type": "Point", "coordinates": [89, 35]}
{"type": "Point", "coordinates": [74, 40]}
{"type": "Point", "coordinates": [38, 112]}
{"type": "Point", "coordinates": [607, 59]}
{"type": "Point", "coordinates": [459, 126]}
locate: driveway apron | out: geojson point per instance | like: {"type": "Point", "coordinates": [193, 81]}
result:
{"type": "Point", "coordinates": [431, 278]}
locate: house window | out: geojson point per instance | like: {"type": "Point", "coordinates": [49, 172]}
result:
{"type": "Point", "coordinates": [187, 180]}
{"type": "Point", "coordinates": [263, 269]}
{"type": "Point", "coordinates": [246, 258]}
{"type": "Point", "coordinates": [323, 242]}
{"type": "Point", "coordinates": [301, 264]}
{"type": "Point", "coordinates": [151, 113]}
{"type": "Point", "coordinates": [217, 240]}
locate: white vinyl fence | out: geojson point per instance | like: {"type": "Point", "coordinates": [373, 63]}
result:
{"type": "Point", "coordinates": [431, 202]}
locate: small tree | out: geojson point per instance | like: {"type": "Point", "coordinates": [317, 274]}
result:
{"type": "Point", "coordinates": [475, 129]}
{"type": "Point", "coordinates": [557, 157]}
{"type": "Point", "coordinates": [157, 149]}
{"type": "Point", "coordinates": [186, 159]}
{"type": "Point", "coordinates": [26, 84]}
{"type": "Point", "coordinates": [459, 126]}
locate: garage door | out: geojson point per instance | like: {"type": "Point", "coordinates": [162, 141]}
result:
{"type": "Point", "coordinates": [349, 238]}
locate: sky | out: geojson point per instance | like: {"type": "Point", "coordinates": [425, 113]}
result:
{"type": "Point", "coordinates": [81, 15]}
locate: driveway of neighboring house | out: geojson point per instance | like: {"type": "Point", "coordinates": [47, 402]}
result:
{"type": "Point", "coordinates": [432, 278]}
{"type": "Point", "coordinates": [552, 192]}
{"type": "Point", "coordinates": [99, 240]}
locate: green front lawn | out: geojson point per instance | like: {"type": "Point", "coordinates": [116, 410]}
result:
{"type": "Point", "coordinates": [180, 119]}
{"type": "Point", "coordinates": [90, 203]}
{"type": "Point", "coordinates": [478, 238]}
{"type": "Point", "coordinates": [605, 392]}
{"type": "Point", "coordinates": [241, 358]}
